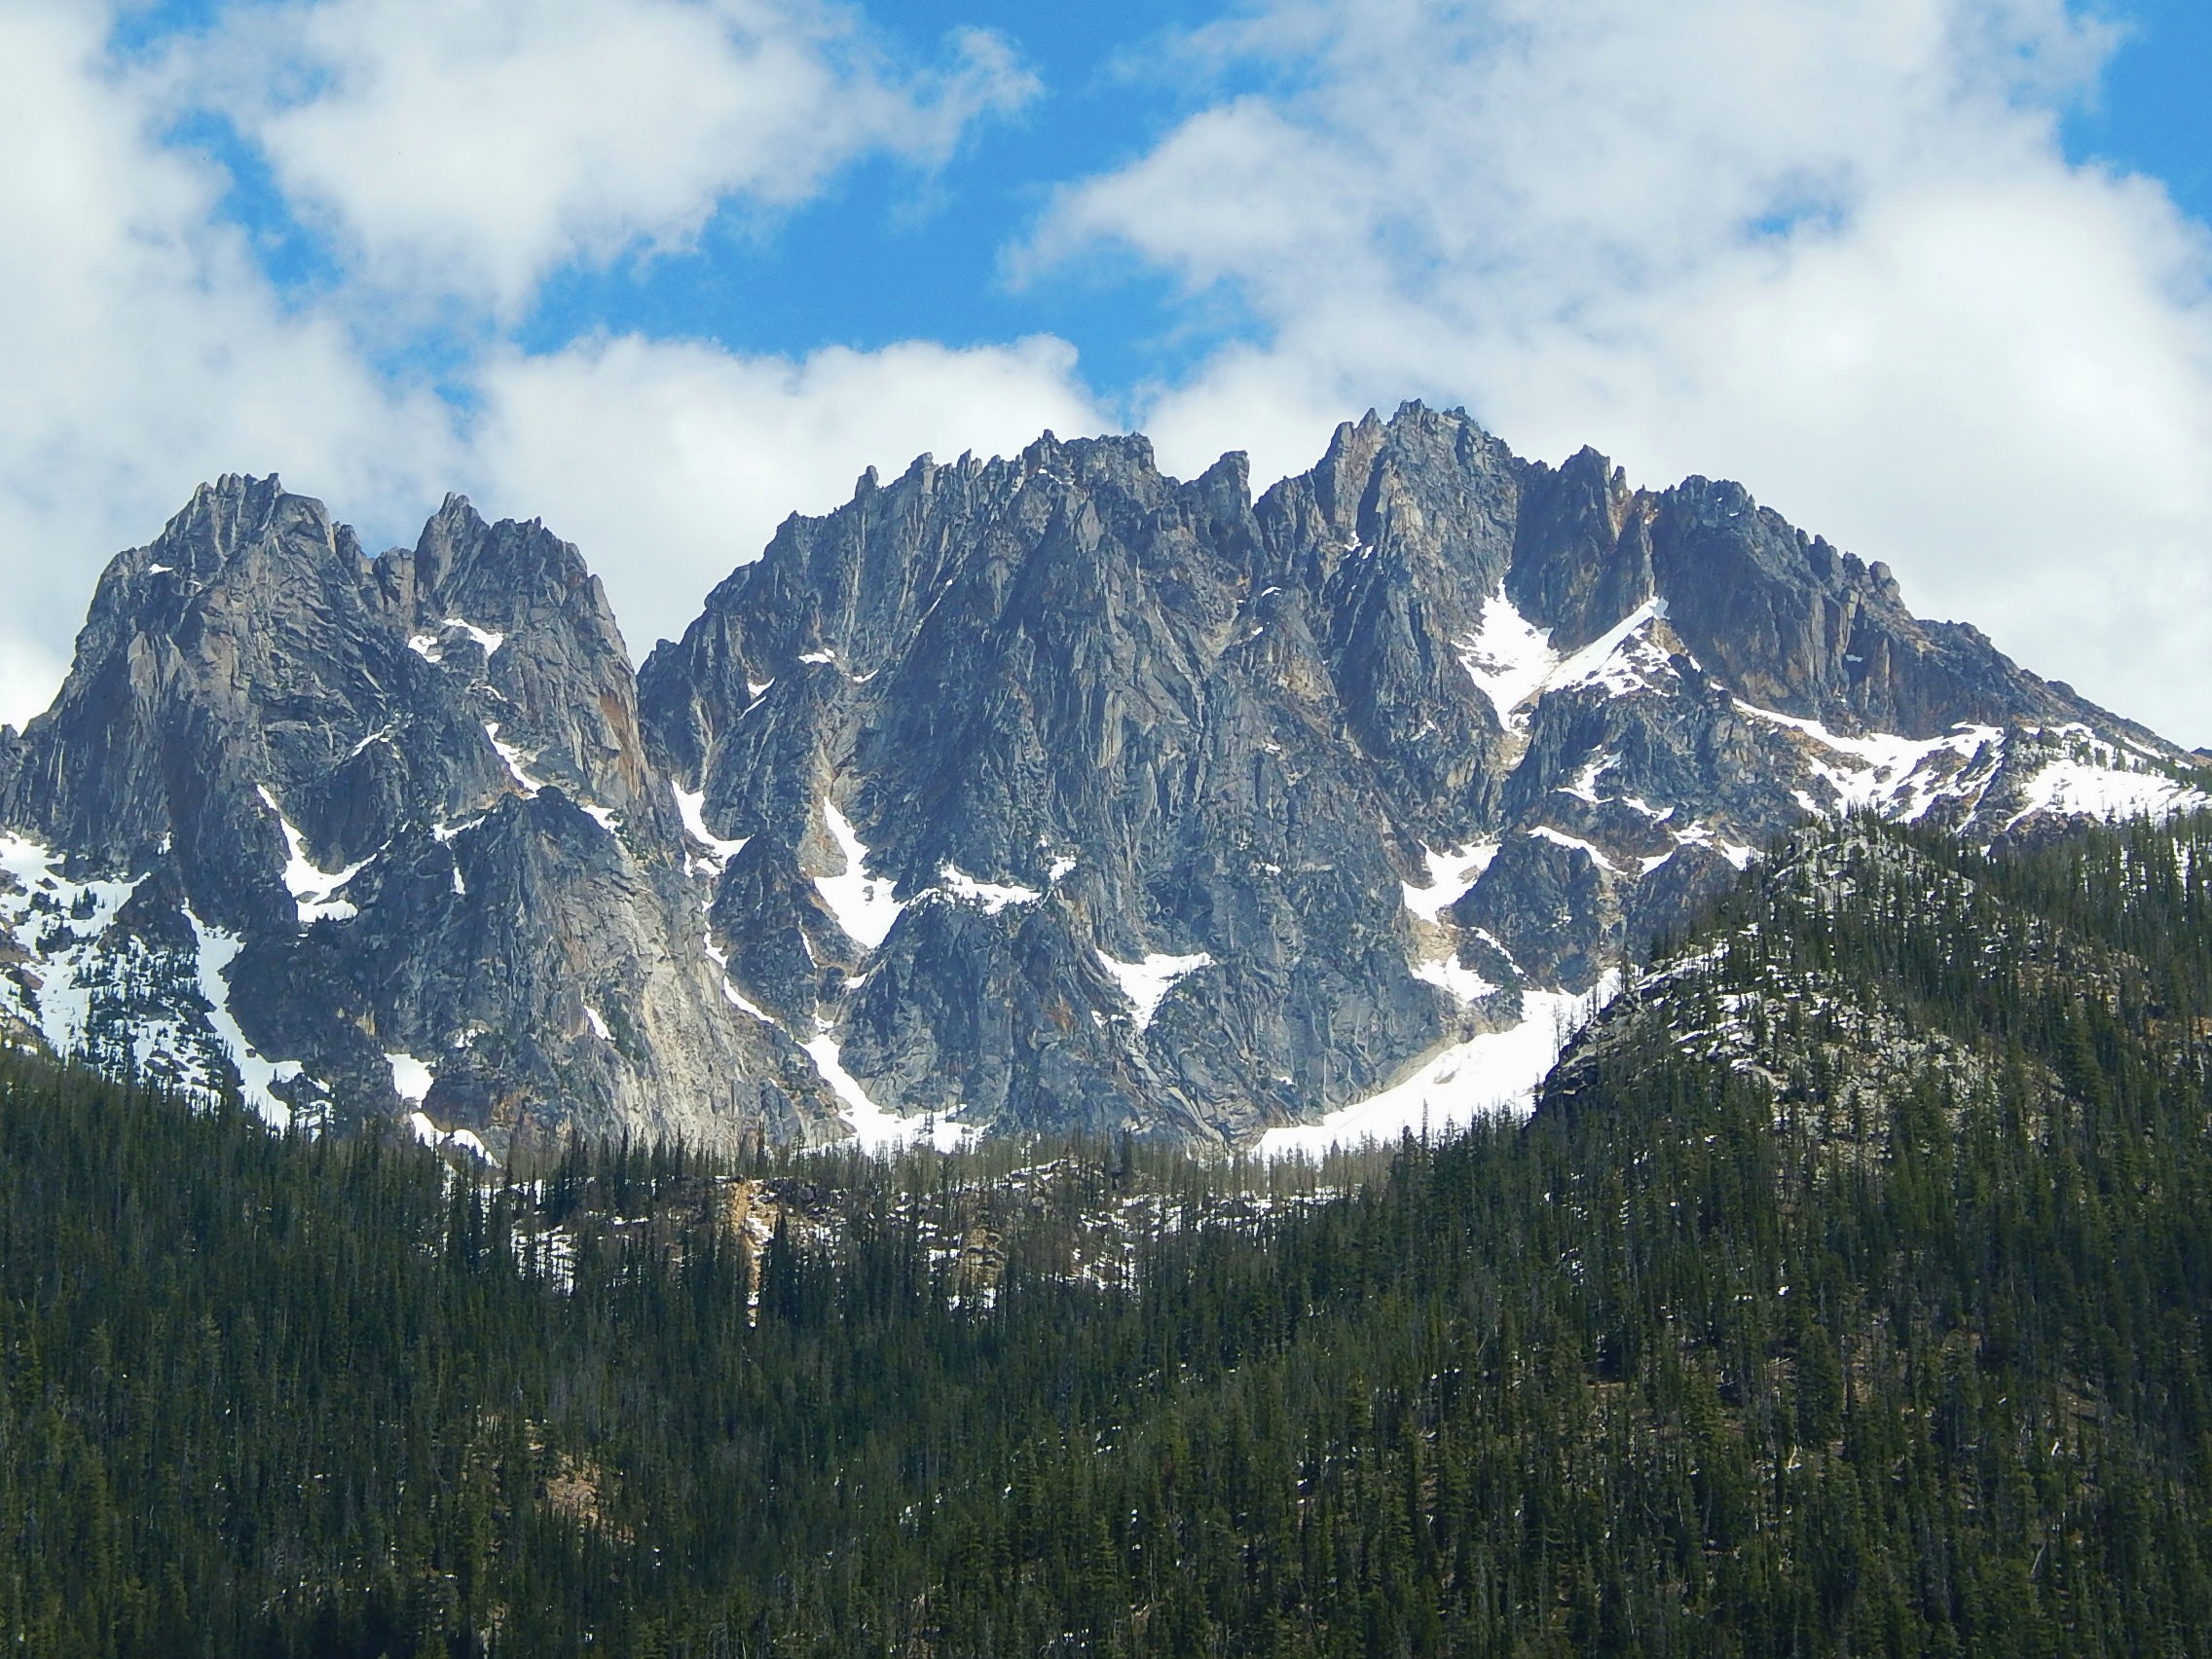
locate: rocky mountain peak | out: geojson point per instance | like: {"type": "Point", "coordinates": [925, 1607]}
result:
{"type": "Point", "coordinates": [389, 832]}
{"type": "Point", "coordinates": [1065, 715]}
{"type": "Point", "coordinates": [1037, 791]}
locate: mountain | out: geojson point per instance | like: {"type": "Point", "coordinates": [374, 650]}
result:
{"type": "Point", "coordinates": [1045, 792]}
{"type": "Point", "coordinates": [381, 829]}
{"type": "Point", "coordinates": [1209, 815]}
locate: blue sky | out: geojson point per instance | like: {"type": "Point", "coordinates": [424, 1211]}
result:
{"type": "Point", "coordinates": [2148, 116]}
{"type": "Point", "coordinates": [818, 281]}
{"type": "Point", "coordinates": [1929, 276]}
{"type": "Point", "coordinates": [884, 256]}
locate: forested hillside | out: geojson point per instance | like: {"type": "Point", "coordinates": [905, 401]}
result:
{"type": "Point", "coordinates": [1848, 1292]}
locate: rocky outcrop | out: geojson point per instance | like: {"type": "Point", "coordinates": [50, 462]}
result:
{"type": "Point", "coordinates": [1197, 814]}
{"type": "Point", "coordinates": [403, 808]}
{"type": "Point", "coordinates": [1039, 793]}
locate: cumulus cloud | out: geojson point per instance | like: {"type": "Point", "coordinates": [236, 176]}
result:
{"type": "Point", "coordinates": [147, 350]}
{"type": "Point", "coordinates": [671, 462]}
{"type": "Point", "coordinates": [1833, 251]}
{"type": "Point", "coordinates": [464, 149]}
{"type": "Point", "coordinates": [143, 350]}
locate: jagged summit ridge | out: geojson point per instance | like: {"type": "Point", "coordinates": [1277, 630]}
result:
{"type": "Point", "coordinates": [1410, 737]}
{"type": "Point", "coordinates": [1043, 790]}
{"type": "Point", "coordinates": [387, 824]}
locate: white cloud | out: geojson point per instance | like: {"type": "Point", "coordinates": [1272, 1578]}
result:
{"type": "Point", "coordinates": [1831, 249]}
{"type": "Point", "coordinates": [464, 149]}
{"type": "Point", "coordinates": [143, 352]}
{"type": "Point", "coordinates": [670, 463]}
{"type": "Point", "coordinates": [146, 351]}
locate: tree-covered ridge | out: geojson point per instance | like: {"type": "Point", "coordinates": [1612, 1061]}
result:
{"type": "Point", "coordinates": [1857, 962]}
{"type": "Point", "coordinates": [1693, 1362]}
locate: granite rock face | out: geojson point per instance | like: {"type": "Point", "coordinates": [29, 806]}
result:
{"type": "Point", "coordinates": [392, 824]}
{"type": "Point", "coordinates": [1040, 793]}
{"type": "Point", "coordinates": [1198, 814]}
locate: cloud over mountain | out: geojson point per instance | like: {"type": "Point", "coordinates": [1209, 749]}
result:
{"type": "Point", "coordinates": [1836, 248]}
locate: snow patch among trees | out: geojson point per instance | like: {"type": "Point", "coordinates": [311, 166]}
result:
{"type": "Point", "coordinates": [217, 950]}
{"type": "Point", "coordinates": [1499, 1072]}
{"type": "Point", "coordinates": [876, 1130]}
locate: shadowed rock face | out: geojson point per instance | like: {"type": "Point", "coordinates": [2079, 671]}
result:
{"type": "Point", "coordinates": [1045, 791]}
{"type": "Point", "coordinates": [257, 709]}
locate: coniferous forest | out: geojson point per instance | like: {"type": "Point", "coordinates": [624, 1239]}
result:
{"type": "Point", "coordinates": [1847, 1294]}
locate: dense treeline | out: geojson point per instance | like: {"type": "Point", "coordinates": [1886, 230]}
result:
{"type": "Point", "coordinates": [1671, 1369]}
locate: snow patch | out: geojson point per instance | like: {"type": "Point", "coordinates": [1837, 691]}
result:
{"type": "Point", "coordinates": [516, 760]}
{"type": "Point", "coordinates": [2101, 792]}
{"type": "Point", "coordinates": [39, 870]}
{"type": "Point", "coordinates": [738, 1000]}
{"type": "Point", "coordinates": [1507, 656]}
{"type": "Point", "coordinates": [518, 763]}
{"type": "Point", "coordinates": [362, 748]}
{"type": "Point", "coordinates": [485, 637]}
{"type": "Point", "coordinates": [1603, 660]}
{"type": "Point", "coordinates": [1146, 983]}
{"type": "Point", "coordinates": [1887, 772]}
{"type": "Point", "coordinates": [1584, 786]}
{"type": "Point", "coordinates": [876, 1130]}
{"type": "Point", "coordinates": [863, 905]}
{"type": "Point", "coordinates": [731, 993]}
{"type": "Point", "coordinates": [215, 951]}
{"type": "Point", "coordinates": [1464, 985]}
{"type": "Point", "coordinates": [411, 1078]}
{"type": "Point", "coordinates": [1498, 1073]}
{"type": "Point", "coordinates": [991, 894]}
{"type": "Point", "coordinates": [691, 808]}
{"type": "Point", "coordinates": [1703, 835]}
{"type": "Point", "coordinates": [41, 918]}
{"type": "Point", "coordinates": [1560, 838]}
{"type": "Point", "coordinates": [1450, 875]}
{"type": "Point", "coordinates": [430, 647]}
{"type": "Point", "coordinates": [1637, 803]}
{"type": "Point", "coordinates": [438, 1140]}
{"type": "Point", "coordinates": [1512, 662]}
{"type": "Point", "coordinates": [313, 890]}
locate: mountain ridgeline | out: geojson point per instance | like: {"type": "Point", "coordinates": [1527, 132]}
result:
{"type": "Point", "coordinates": [1039, 794]}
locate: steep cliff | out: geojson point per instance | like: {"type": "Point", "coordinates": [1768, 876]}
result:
{"type": "Point", "coordinates": [1039, 793]}
{"type": "Point", "coordinates": [384, 828]}
{"type": "Point", "coordinates": [1074, 794]}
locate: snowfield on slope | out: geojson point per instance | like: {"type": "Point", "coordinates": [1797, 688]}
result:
{"type": "Point", "coordinates": [1498, 1073]}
